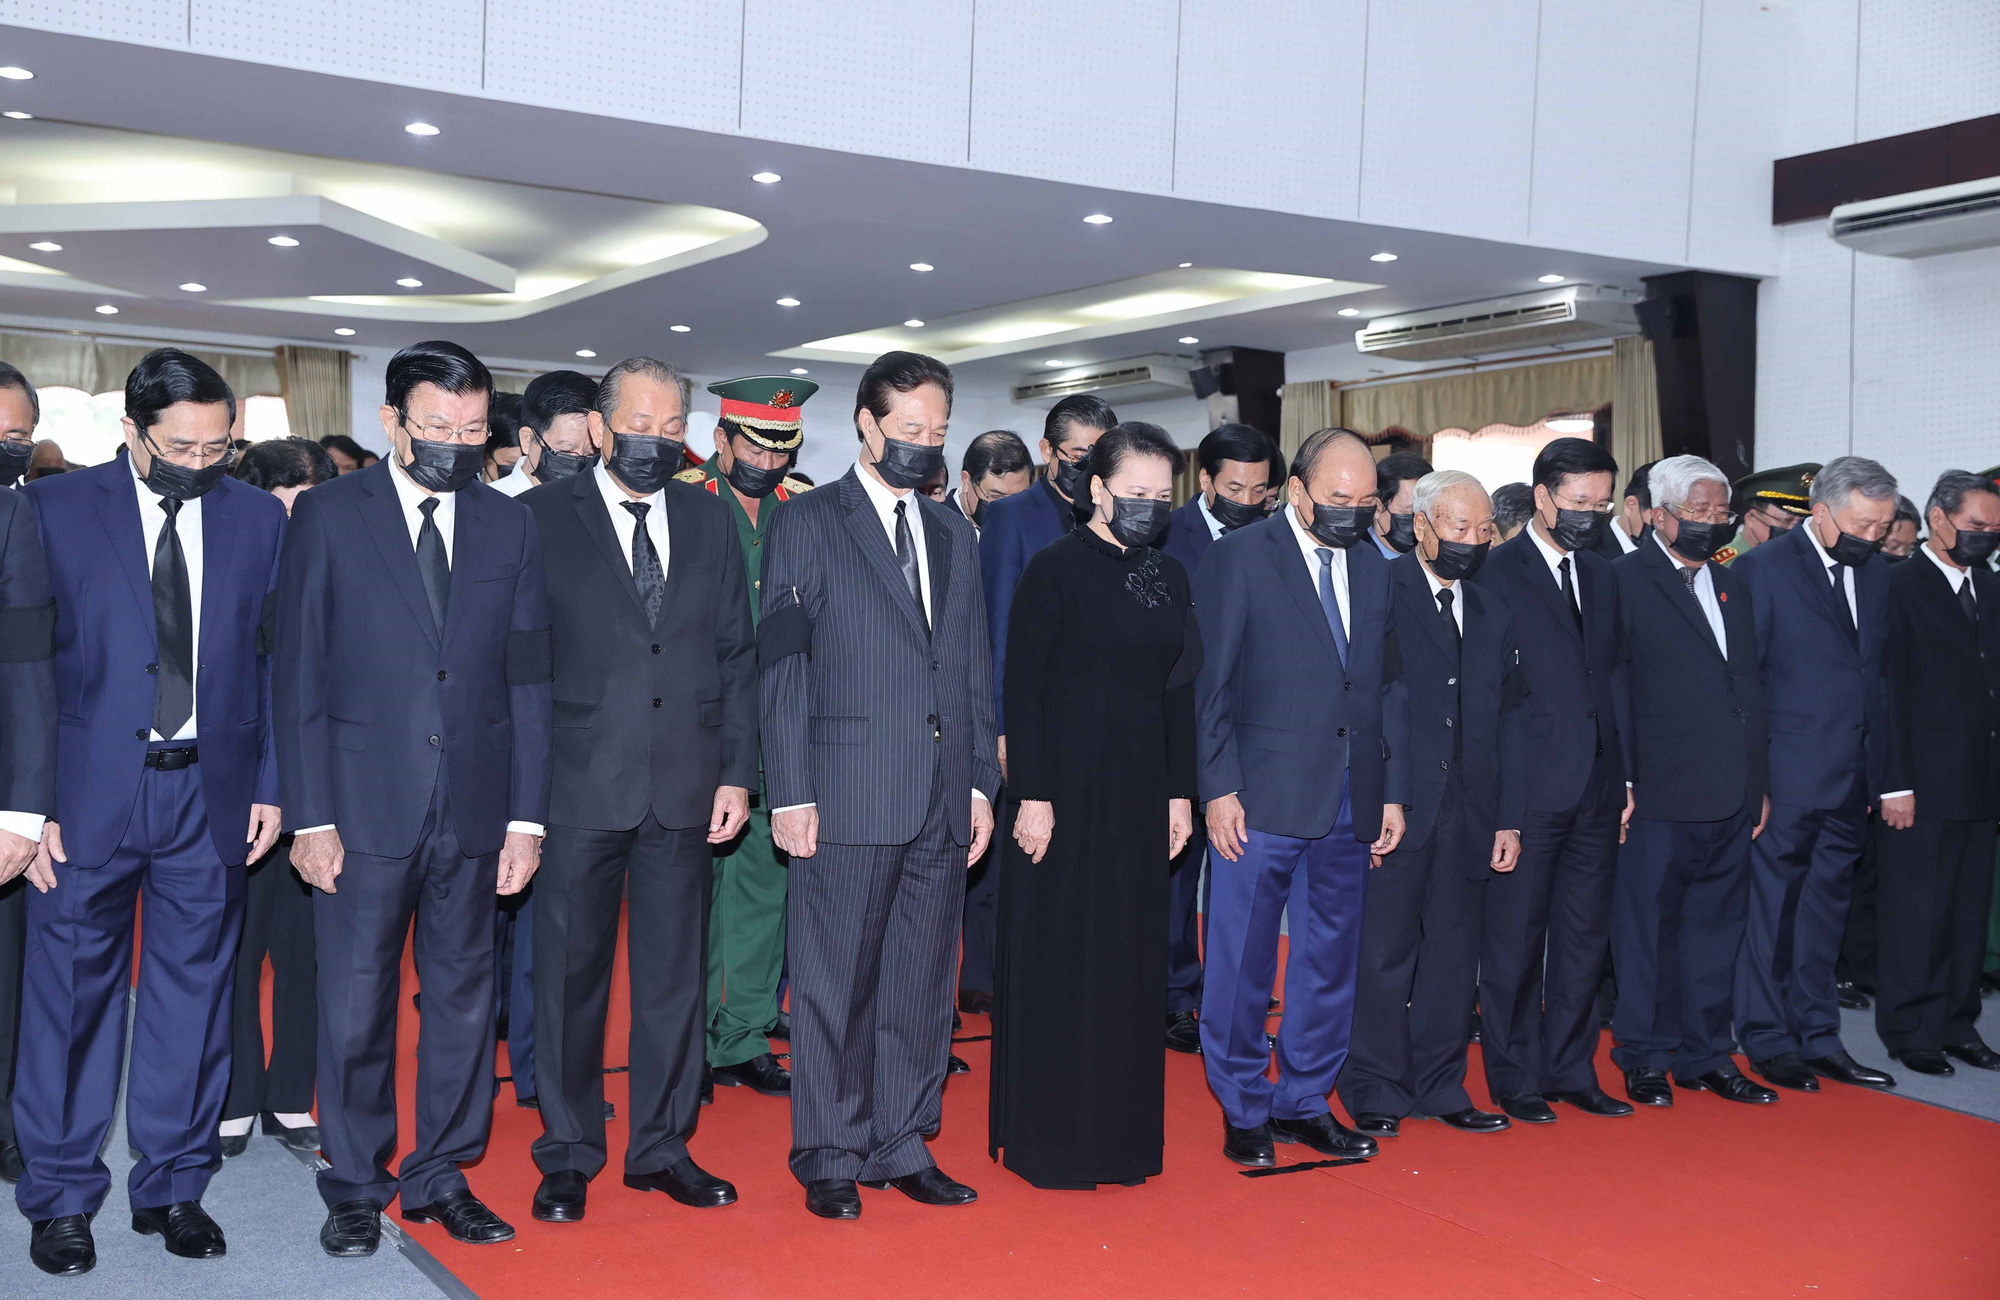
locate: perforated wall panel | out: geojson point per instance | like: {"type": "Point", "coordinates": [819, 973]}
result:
{"type": "Point", "coordinates": [1927, 62]}
{"type": "Point", "coordinates": [1802, 349]}
{"type": "Point", "coordinates": [676, 65]}
{"type": "Point", "coordinates": [140, 22]}
{"type": "Point", "coordinates": [1820, 75]}
{"type": "Point", "coordinates": [429, 43]}
{"type": "Point", "coordinates": [1738, 131]}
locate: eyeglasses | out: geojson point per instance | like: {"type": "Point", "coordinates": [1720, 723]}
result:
{"type": "Point", "coordinates": [440, 432]}
{"type": "Point", "coordinates": [1726, 518]}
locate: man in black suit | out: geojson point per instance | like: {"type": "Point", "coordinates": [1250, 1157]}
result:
{"type": "Point", "coordinates": [878, 755]}
{"type": "Point", "coordinates": [412, 702]}
{"type": "Point", "coordinates": [1628, 527]}
{"type": "Point", "coordinates": [1548, 921]}
{"type": "Point", "coordinates": [654, 757]}
{"type": "Point", "coordinates": [1941, 777]}
{"type": "Point", "coordinates": [1696, 751]}
{"type": "Point", "coordinates": [1459, 689]}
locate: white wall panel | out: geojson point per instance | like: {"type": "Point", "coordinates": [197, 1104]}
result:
{"type": "Point", "coordinates": [1926, 63]}
{"type": "Point", "coordinates": [1820, 65]}
{"type": "Point", "coordinates": [140, 22]}
{"type": "Point", "coordinates": [1269, 112]}
{"type": "Point", "coordinates": [676, 64]}
{"type": "Point", "coordinates": [1447, 141]}
{"type": "Point", "coordinates": [1803, 341]}
{"type": "Point", "coordinates": [886, 77]}
{"type": "Point", "coordinates": [434, 44]}
{"type": "Point", "coordinates": [1614, 126]}
{"type": "Point", "coordinates": [1076, 90]}
{"type": "Point", "coordinates": [1739, 131]}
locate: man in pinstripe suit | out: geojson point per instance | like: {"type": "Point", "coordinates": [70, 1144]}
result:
{"type": "Point", "coordinates": [878, 743]}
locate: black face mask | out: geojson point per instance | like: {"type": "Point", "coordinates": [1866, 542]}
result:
{"type": "Point", "coordinates": [14, 457]}
{"type": "Point", "coordinates": [1341, 526]}
{"type": "Point", "coordinates": [1234, 514]}
{"type": "Point", "coordinates": [1699, 541]}
{"type": "Point", "coordinates": [979, 511]}
{"type": "Point", "coordinates": [554, 465]}
{"type": "Point", "coordinates": [443, 466]}
{"type": "Point", "coordinates": [643, 462]}
{"type": "Point", "coordinates": [1851, 550]}
{"type": "Point", "coordinates": [754, 480]}
{"type": "Point", "coordinates": [1136, 522]}
{"type": "Point", "coordinates": [1069, 477]}
{"type": "Point", "coordinates": [1579, 530]}
{"type": "Point", "coordinates": [908, 464]}
{"type": "Point", "coordinates": [1456, 560]}
{"type": "Point", "coordinates": [1973, 550]}
{"type": "Point", "coordinates": [1893, 559]}
{"type": "Point", "coordinates": [1402, 536]}
{"type": "Point", "coordinates": [180, 483]}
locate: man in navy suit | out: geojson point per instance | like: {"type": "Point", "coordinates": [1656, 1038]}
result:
{"type": "Point", "coordinates": [1235, 466]}
{"type": "Point", "coordinates": [161, 568]}
{"type": "Point", "coordinates": [413, 722]}
{"type": "Point", "coordinates": [1820, 594]}
{"type": "Point", "coordinates": [1303, 777]}
{"type": "Point", "coordinates": [1548, 921]}
{"type": "Point", "coordinates": [1396, 478]}
{"type": "Point", "coordinates": [1459, 688]}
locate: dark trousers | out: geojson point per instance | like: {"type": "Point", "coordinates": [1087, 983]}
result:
{"type": "Point", "coordinates": [278, 922]}
{"type": "Point", "coordinates": [13, 939]}
{"type": "Point", "coordinates": [514, 983]}
{"type": "Point", "coordinates": [1856, 964]}
{"type": "Point", "coordinates": [1548, 928]}
{"type": "Point", "coordinates": [1419, 970]}
{"type": "Point", "coordinates": [1317, 887]}
{"type": "Point", "coordinates": [584, 875]}
{"type": "Point", "coordinates": [874, 936]}
{"type": "Point", "coordinates": [73, 1011]}
{"type": "Point", "coordinates": [359, 932]}
{"type": "Point", "coordinates": [1184, 922]}
{"type": "Point", "coordinates": [1937, 883]}
{"type": "Point", "coordinates": [1800, 872]}
{"type": "Point", "coordinates": [981, 925]}
{"type": "Point", "coordinates": [1677, 924]}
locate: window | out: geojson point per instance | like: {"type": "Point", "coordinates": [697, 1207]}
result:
{"type": "Point", "coordinates": [90, 430]}
{"type": "Point", "coordinates": [1495, 455]}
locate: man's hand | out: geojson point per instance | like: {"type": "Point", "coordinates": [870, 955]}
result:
{"type": "Point", "coordinates": [796, 830]}
{"type": "Point", "coordinates": [1003, 758]}
{"type": "Point", "coordinates": [1180, 825]}
{"type": "Point", "coordinates": [1625, 818]}
{"type": "Point", "coordinates": [317, 858]}
{"type": "Point", "coordinates": [520, 854]}
{"type": "Point", "coordinates": [1506, 850]}
{"type": "Point", "coordinates": [42, 871]}
{"type": "Point", "coordinates": [1898, 812]}
{"type": "Point", "coordinates": [263, 833]}
{"type": "Point", "coordinates": [1763, 819]}
{"type": "Point", "coordinates": [1227, 833]}
{"type": "Point", "coordinates": [1034, 822]}
{"type": "Point", "coordinates": [1392, 831]}
{"type": "Point", "coordinates": [732, 810]}
{"type": "Point", "coordinates": [17, 854]}
{"type": "Point", "coordinates": [982, 830]}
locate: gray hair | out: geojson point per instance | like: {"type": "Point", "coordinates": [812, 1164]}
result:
{"type": "Point", "coordinates": [1673, 478]}
{"type": "Point", "coordinates": [1438, 482]}
{"type": "Point", "coordinates": [1953, 486]}
{"type": "Point", "coordinates": [1843, 476]}
{"type": "Point", "coordinates": [660, 371]}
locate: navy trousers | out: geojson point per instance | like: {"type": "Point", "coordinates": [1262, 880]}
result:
{"type": "Point", "coordinates": [514, 985]}
{"type": "Point", "coordinates": [73, 1006]}
{"type": "Point", "coordinates": [1801, 869]}
{"type": "Point", "coordinates": [1318, 884]}
{"type": "Point", "coordinates": [1184, 923]}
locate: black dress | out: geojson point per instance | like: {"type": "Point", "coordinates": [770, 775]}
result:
{"type": "Point", "coordinates": [1101, 660]}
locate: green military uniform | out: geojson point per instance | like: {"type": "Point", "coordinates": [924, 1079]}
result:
{"type": "Point", "coordinates": [1788, 488]}
{"type": "Point", "coordinates": [746, 927]}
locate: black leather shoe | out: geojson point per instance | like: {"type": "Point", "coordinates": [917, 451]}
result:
{"type": "Point", "coordinates": [833, 1198]}
{"type": "Point", "coordinates": [761, 1073]}
{"type": "Point", "coordinates": [352, 1229]}
{"type": "Point", "coordinates": [975, 1002]}
{"type": "Point", "coordinates": [1849, 996]}
{"type": "Point", "coordinates": [1375, 1125]}
{"type": "Point", "coordinates": [1183, 1033]}
{"type": "Point", "coordinates": [1977, 1055]}
{"type": "Point", "coordinates": [1786, 1070]}
{"type": "Point", "coordinates": [303, 1139]}
{"type": "Point", "coordinates": [560, 1198]}
{"type": "Point", "coordinates": [232, 1146]}
{"type": "Point", "coordinates": [11, 1167]}
{"type": "Point", "coordinates": [1842, 1068]}
{"type": "Point", "coordinates": [1925, 1062]}
{"type": "Point", "coordinates": [62, 1246]}
{"type": "Point", "coordinates": [956, 1065]}
{"type": "Point", "coordinates": [1528, 1109]}
{"type": "Point", "coordinates": [1648, 1087]}
{"type": "Point", "coordinates": [1474, 1120]}
{"type": "Point", "coordinates": [707, 1086]}
{"type": "Point", "coordinates": [930, 1186]}
{"type": "Point", "coordinates": [781, 1028]}
{"type": "Point", "coordinates": [185, 1227]}
{"type": "Point", "coordinates": [1593, 1101]}
{"type": "Point", "coordinates": [1989, 981]}
{"type": "Point", "coordinates": [1731, 1086]}
{"type": "Point", "coordinates": [1324, 1134]}
{"type": "Point", "coordinates": [465, 1217]}
{"type": "Point", "coordinates": [1249, 1146]}
{"type": "Point", "coordinates": [688, 1183]}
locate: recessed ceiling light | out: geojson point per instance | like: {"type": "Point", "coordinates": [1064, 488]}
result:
{"type": "Point", "coordinates": [788, 302]}
{"type": "Point", "coordinates": [1186, 265]}
{"type": "Point", "coordinates": [421, 128]}
{"type": "Point", "coordinates": [1189, 338]}
{"type": "Point", "coordinates": [1097, 219]}
{"type": "Point", "coordinates": [283, 241]}
{"type": "Point", "coordinates": [585, 352]}
{"type": "Point", "coordinates": [680, 329]}
{"type": "Point", "coordinates": [1550, 278]}
{"type": "Point", "coordinates": [1348, 311]}
{"type": "Point", "coordinates": [913, 324]}
{"type": "Point", "coordinates": [12, 73]}
{"type": "Point", "coordinates": [799, 370]}
{"type": "Point", "coordinates": [1053, 362]}
{"type": "Point", "coordinates": [411, 282]}
{"type": "Point", "coordinates": [1383, 257]}
{"type": "Point", "coordinates": [344, 331]}
{"type": "Point", "coordinates": [766, 178]}
{"type": "Point", "coordinates": [17, 115]}
{"type": "Point", "coordinates": [106, 309]}
{"type": "Point", "coordinates": [46, 246]}
{"type": "Point", "coordinates": [194, 287]}
{"type": "Point", "coordinates": [922, 266]}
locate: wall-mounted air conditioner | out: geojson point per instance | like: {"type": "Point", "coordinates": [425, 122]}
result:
{"type": "Point", "coordinates": [1923, 223]}
{"type": "Point", "coordinates": [1136, 379]}
{"type": "Point", "coordinates": [1571, 314]}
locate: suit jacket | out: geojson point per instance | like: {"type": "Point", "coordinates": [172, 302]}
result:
{"type": "Point", "coordinates": [375, 706]}
{"type": "Point", "coordinates": [1822, 678]}
{"type": "Point", "coordinates": [1941, 678]}
{"type": "Point", "coordinates": [106, 640]}
{"type": "Point", "coordinates": [646, 717]}
{"type": "Point", "coordinates": [1575, 678]}
{"type": "Point", "coordinates": [1016, 527]}
{"type": "Point", "coordinates": [860, 703]}
{"type": "Point", "coordinates": [1278, 718]}
{"type": "Point", "coordinates": [1475, 691]}
{"type": "Point", "coordinates": [27, 664]}
{"type": "Point", "coordinates": [1698, 746]}
{"type": "Point", "coordinates": [1188, 538]}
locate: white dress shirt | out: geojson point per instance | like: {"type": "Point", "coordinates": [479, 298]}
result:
{"type": "Point", "coordinates": [1625, 543]}
{"type": "Point", "coordinates": [1704, 594]}
{"type": "Point", "coordinates": [1312, 546]}
{"type": "Point", "coordinates": [1214, 524]}
{"type": "Point", "coordinates": [624, 524]}
{"type": "Point", "coordinates": [152, 518]}
{"type": "Point", "coordinates": [1847, 572]}
{"type": "Point", "coordinates": [1457, 596]}
{"type": "Point", "coordinates": [1554, 558]}
{"type": "Point", "coordinates": [515, 481]}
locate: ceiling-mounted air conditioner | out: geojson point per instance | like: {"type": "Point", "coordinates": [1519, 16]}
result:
{"type": "Point", "coordinates": [1571, 314]}
{"type": "Point", "coordinates": [1136, 379]}
{"type": "Point", "coordinates": [1922, 223]}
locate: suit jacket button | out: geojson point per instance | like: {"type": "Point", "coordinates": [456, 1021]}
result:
{"type": "Point", "coordinates": [934, 665]}
{"type": "Point", "coordinates": [437, 740]}
{"type": "Point", "coordinates": [1737, 712]}
{"type": "Point", "coordinates": [1444, 763]}
{"type": "Point", "coordinates": [1857, 726]}
{"type": "Point", "coordinates": [1590, 713]}
{"type": "Point", "coordinates": [656, 649]}
{"type": "Point", "coordinates": [140, 734]}
{"type": "Point", "coordinates": [1347, 686]}
{"type": "Point", "coordinates": [1451, 681]}
{"type": "Point", "coordinates": [930, 720]}
{"type": "Point", "coordinates": [656, 701]}
{"type": "Point", "coordinates": [152, 668]}
{"type": "Point", "coordinates": [443, 675]}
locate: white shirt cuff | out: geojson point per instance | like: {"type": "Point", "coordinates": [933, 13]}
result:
{"type": "Point", "coordinates": [1893, 794]}
{"type": "Point", "coordinates": [535, 829]}
{"type": "Point", "coordinates": [313, 830]}
{"type": "Point", "coordinates": [26, 825]}
{"type": "Point", "coordinates": [980, 794]}
{"type": "Point", "coordinates": [793, 807]}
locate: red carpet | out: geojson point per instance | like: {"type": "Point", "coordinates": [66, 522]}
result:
{"type": "Point", "coordinates": [1840, 1194]}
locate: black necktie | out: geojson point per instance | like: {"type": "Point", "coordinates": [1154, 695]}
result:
{"type": "Point", "coordinates": [1569, 594]}
{"type": "Point", "coordinates": [646, 570]}
{"type": "Point", "coordinates": [1965, 602]}
{"type": "Point", "coordinates": [1840, 595]}
{"type": "Point", "coordinates": [432, 562]}
{"type": "Point", "coordinates": [1688, 576]}
{"type": "Point", "coordinates": [1444, 597]}
{"type": "Point", "coordinates": [906, 557]}
{"type": "Point", "coordinates": [173, 616]}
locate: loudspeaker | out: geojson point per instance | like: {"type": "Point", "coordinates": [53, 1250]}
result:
{"type": "Point", "coordinates": [1704, 332]}
{"type": "Point", "coordinates": [1241, 387]}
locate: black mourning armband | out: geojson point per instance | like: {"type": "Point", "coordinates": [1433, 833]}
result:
{"type": "Point", "coordinates": [27, 633]}
{"type": "Point", "coordinates": [782, 634]}
{"type": "Point", "coordinates": [531, 657]}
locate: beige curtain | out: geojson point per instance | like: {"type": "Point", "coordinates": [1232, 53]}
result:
{"type": "Point", "coordinates": [1521, 395]}
{"type": "Point", "coordinates": [1303, 410]}
{"type": "Point", "coordinates": [1635, 404]}
{"type": "Point", "coordinates": [318, 395]}
{"type": "Point", "coordinates": [79, 361]}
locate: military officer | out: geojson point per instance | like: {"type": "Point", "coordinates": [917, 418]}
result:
{"type": "Point", "coordinates": [1769, 502]}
